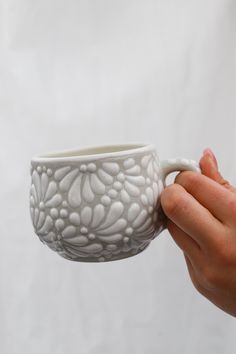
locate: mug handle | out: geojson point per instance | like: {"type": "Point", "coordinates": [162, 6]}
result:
{"type": "Point", "coordinates": [175, 165]}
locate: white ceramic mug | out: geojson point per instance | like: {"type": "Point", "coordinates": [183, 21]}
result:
{"type": "Point", "coordinates": [100, 203]}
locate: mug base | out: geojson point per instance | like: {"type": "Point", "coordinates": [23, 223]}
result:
{"type": "Point", "coordinates": [103, 259]}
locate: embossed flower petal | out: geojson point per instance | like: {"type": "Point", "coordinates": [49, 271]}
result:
{"type": "Point", "coordinates": [137, 180]}
{"type": "Point", "coordinates": [32, 201]}
{"type": "Point", "coordinates": [44, 184]}
{"type": "Point", "coordinates": [150, 195]}
{"type": "Point", "coordinates": [74, 195]}
{"type": "Point", "coordinates": [54, 201]}
{"type": "Point", "coordinates": [130, 162]}
{"type": "Point", "coordinates": [144, 226]}
{"type": "Point", "coordinates": [33, 194]}
{"type": "Point", "coordinates": [47, 225]}
{"type": "Point", "coordinates": [41, 219]}
{"type": "Point", "coordinates": [35, 217]}
{"type": "Point", "coordinates": [151, 231]}
{"type": "Point", "coordinates": [111, 167]}
{"type": "Point", "coordinates": [133, 211]}
{"type": "Point", "coordinates": [150, 171]}
{"type": "Point", "coordinates": [51, 190]}
{"type": "Point", "coordinates": [118, 251]}
{"type": "Point", "coordinates": [131, 189]}
{"type": "Point", "coordinates": [145, 160]}
{"type": "Point", "coordinates": [134, 171]}
{"type": "Point", "coordinates": [124, 196]}
{"type": "Point", "coordinates": [110, 238]}
{"type": "Point", "coordinates": [141, 218]}
{"type": "Point", "coordinates": [116, 227]}
{"type": "Point", "coordinates": [86, 215]}
{"type": "Point", "coordinates": [111, 247]}
{"type": "Point", "coordinates": [69, 231]}
{"type": "Point", "coordinates": [92, 248]}
{"type": "Point", "coordinates": [68, 179]}
{"type": "Point", "coordinates": [36, 182]}
{"type": "Point", "coordinates": [145, 235]}
{"type": "Point", "coordinates": [98, 215]}
{"type": "Point", "coordinates": [78, 240]}
{"type": "Point", "coordinates": [107, 254]}
{"type": "Point", "coordinates": [155, 165]}
{"type": "Point", "coordinates": [87, 192]}
{"type": "Point", "coordinates": [74, 251]}
{"type": "Point", "coordinates": [97, 186]}
{"type": "Point", "coordinates": [105, 177]}
{"type": "Point", "coordinates": [114, 213]}
{"type": "Point", "coordinates": [61, 172]}
{"type": "Point", "coordinates": [144, 199]}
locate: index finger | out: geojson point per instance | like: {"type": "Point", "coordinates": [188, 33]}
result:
{"type": "Point", "coordinates": [190, 216]}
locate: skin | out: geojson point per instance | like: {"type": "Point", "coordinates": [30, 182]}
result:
{"type": "Point", "coordinates": [201, 211]}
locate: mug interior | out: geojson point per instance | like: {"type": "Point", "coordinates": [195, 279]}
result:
{"type": "Point", "coordinates": [95, 150]}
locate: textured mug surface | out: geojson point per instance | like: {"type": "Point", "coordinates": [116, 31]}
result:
{"type": "Point", "coordinates": [100, 203]}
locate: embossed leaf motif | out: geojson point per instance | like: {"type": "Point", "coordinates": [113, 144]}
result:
{"type": "Point", "coordinates": [129, 180]}
{"type": "Point", "coordinates": [43, 194]}
{"type": "Point", "coordinates": [143, 224]}
{"type": "Point", "coordinates": [86, 182]}
{"type": "Point", "coordinates": [108, 228]}
{"type": "Point", "coordinates": [150, 163]}
{"type": "Point", "coordinates": [92, 249]}
{"type": "Point", "coordinates": [74, 195]}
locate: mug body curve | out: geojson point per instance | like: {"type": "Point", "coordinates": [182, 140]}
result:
{"type": "Point", "coordinates": [99, 203]}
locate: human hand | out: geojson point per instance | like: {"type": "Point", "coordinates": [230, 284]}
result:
{"type": "Point", "coordinates": [201, 211]}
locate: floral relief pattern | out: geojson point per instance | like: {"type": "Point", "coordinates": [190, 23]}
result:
{"type": "Point", "coordinates": [97, 211]}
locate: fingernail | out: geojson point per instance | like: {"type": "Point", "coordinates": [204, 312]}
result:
{"type": "Point", "coordinates": [209, 152]}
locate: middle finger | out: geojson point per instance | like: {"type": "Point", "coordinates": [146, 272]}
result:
{"type": "Point", "coordinates": [189, 215]}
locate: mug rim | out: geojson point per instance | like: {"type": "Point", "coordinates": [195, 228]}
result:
{"type": "Point", "coordinates": [64, 155]}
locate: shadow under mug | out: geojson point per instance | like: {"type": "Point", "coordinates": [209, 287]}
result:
{"type": "Point", "coordinates": [100, 203]}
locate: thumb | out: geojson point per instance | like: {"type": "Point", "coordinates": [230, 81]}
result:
{"type": "Point", "coordinates": [209, 168]}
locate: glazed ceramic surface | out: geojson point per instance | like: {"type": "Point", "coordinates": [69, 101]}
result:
{"type": "Point", "coordinates": [100, 203]}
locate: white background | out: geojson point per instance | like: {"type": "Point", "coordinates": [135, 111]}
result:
{"type": "Point", "coordinates": [76, 73]}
